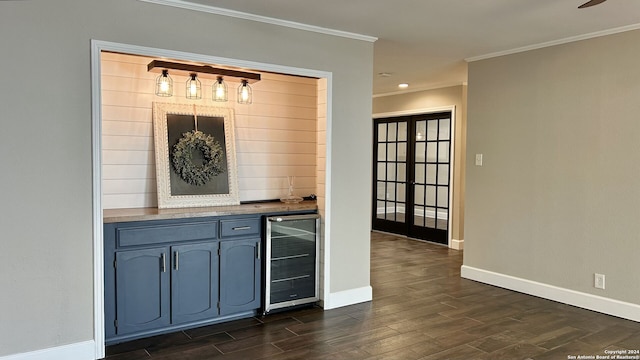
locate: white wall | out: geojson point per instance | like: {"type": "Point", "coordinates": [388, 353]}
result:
{"type": "Point", "coordinates": [557, 197]}
{"type": "Point", "coordinates": [46, 263]}
{"type": "Point", "coordinates": [275, 135]}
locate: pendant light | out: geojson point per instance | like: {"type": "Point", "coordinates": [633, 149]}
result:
{"type": "Point", "coordinates": [194, 87]}
{"type": "Point", "coordinates": [164, 84]}
{"type": "Point", "coordinates": [244, 93]}
{"type": "Point", "coordinates": [220, 92]}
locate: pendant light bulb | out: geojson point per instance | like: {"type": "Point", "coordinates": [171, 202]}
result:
{"type": "Point", "coordinates": [164, 84]}
{"type": "Point", "coordinates": [220, 92]}
{"type": "Point", "coordinates": [245, 93]}
{"type": "Point", "coordinates": [194, 87]}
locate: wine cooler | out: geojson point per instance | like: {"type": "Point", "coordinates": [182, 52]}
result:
{"type": "Point", "coordinates": [291, 267]}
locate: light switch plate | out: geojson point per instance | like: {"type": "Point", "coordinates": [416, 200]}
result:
{"type": "Point", "coordinates": [478, 159]}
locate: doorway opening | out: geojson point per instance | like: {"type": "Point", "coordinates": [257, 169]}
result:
{"type": "Point", "coordinates": [412, 175]}
{"type": "Point", "coordinates": [324, 101]}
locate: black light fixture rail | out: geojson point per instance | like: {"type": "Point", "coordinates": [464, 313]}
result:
{"type": "Point", "coordinates": [203, 71]}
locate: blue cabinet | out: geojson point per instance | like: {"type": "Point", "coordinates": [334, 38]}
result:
{"type": "Point", "coordinates": [167, 275]}
{"type": "Point", "coordinates": [240, 275]}
{"type": "Point", "coordinates": [142, 289]}
{"type": "Point", "coordinates": [194, 282]}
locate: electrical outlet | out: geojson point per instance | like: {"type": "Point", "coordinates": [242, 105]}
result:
{"type": "Point", "coordinates": [598, 281]}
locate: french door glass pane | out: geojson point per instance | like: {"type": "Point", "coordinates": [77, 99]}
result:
{"type": "Point", "coordinates": [391, 212]}
{"type": "Point", "coordinates": [421, 130]}
{"type": "Point", "coordinates": [420, 151]}
{"type": "Point", "coordinates": [382, 132]}
{"type": "Point", "coordinates": [380, 210]}
{"type": "Point", "coordinates": [418, 216]}
{"type": "Point", "coordinates": [392, 130]}
{"type": "Point", "coordinates": [443, 196]}
{"type": "Point", "coordinates": [431, 174]}
{"type": "Point", "coordinates": [402, 131]}
{"type": "Point", "coordinates": [444, 131]}
{"type": "Point", "coordinates": [420, 174]}
{"type": "Point", "coordinates": [401, 194]}
{"type": "Point", "coordinates": [381, 190]}
{"type": "Point", "coordinates": [443, 219]}
{"type": "Point", "coordinates": [432, 151]}
{"type": "Point", "coordinates": [430, 214]}
{"type": "Point", "coordinates": [443, 174]}
{"type": "Point", "coordinates": [432, 130]}
{"type": "Point", "coordinates": [443, 151]}
{"type": "Point", "coordinates": [391, 172]}
{"type": "Point", "coordinates": [431, 196]}
{"type": "Point", "coordinates": [391, 191]}
{"type": "Point", "coordinates": [402, 172]}
{"type": "Point", "coordinates": [402, 152]}
{"type": "Point", "coordinates": [382, 152]}
{"type": "Point", "coordinates": [391, 152]}
{"type": "Point", "coordinates": [381, 171]}
{"type": "Point", "coordinates": [419, 194]}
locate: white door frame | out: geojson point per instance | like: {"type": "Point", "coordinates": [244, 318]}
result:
{"type": "Point", "coordinates": [97, 46]}
{"type": "Point", "coordinates": [433, 110]}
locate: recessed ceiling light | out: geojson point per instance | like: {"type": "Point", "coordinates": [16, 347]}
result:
{"type": "Point", "coordinates": [403, 86]}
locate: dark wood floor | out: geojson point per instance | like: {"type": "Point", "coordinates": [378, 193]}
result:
{"type": "Point", "coordinates": [421, 309]}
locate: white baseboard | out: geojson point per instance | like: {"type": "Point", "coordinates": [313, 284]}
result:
{"type": "Point", "coordinates": [78, 351]}
{"type": "Point", "coordinates": [457, 244]}
{"type": "Point", "coordinates": [600, 304]}
{"type": "Point", "coordinates": [347, 297]}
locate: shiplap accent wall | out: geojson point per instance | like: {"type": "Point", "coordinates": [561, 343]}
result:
{"type": "Point", "coordinates": [276, 136]}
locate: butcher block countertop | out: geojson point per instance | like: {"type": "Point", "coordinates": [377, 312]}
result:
{"type": "Point", "coordinates": [142, 214]}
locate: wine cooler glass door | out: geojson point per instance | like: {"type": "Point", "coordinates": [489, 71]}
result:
{"type": "Point", "coordinates": [292, 261]}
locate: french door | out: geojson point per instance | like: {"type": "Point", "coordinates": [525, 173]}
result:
{"type": "Point", "coordinates": [412, 176]}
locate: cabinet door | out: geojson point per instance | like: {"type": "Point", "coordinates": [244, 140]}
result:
{"type": "Point", "coordinates": [142, 290]}
{"type": "Point", "coordinates": [194, 282]}
{"type": "Point", "coordinates": [239, 275]}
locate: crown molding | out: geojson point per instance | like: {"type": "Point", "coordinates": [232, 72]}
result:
{"type": "Point", "coordinates": [555, 42]}
{"type": "Point", "coordinates": [263, 19]}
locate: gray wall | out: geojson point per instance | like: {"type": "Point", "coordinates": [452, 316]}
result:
{"type": "Point", "coordinates": [558, 196]}
{"type": "Point", "coordinates": [45, 142]}
{"type": "Point", "coordinates": [448, 96]}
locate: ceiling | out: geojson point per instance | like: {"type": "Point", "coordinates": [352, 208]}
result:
{"type": "Point", "coordinates": [425, 42]}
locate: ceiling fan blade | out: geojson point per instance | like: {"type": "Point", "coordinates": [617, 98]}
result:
{"type": "Point", "coordinates": [591, 3]}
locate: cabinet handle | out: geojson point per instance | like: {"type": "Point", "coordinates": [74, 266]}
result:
{"type": "Point", "coordinates": [176, 260]}
{"type": "Point", "coordinates": [258, 250]}
{"type": "Point", "coordinates": [162, 263]}
{"type": "Point", "coordinates": [237, 228]}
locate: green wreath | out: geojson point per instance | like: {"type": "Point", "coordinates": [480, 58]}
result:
{"type": "Point", "coordinates": [182, 157]}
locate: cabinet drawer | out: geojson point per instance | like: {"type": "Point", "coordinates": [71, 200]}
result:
{"type": "Point", "coordinates": [158, 234]}
{"type": "Point", "coordinates": [239, 227]}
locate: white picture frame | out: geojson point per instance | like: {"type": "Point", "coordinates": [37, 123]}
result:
{"type": "Point", "coordinates": [171, 124]}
